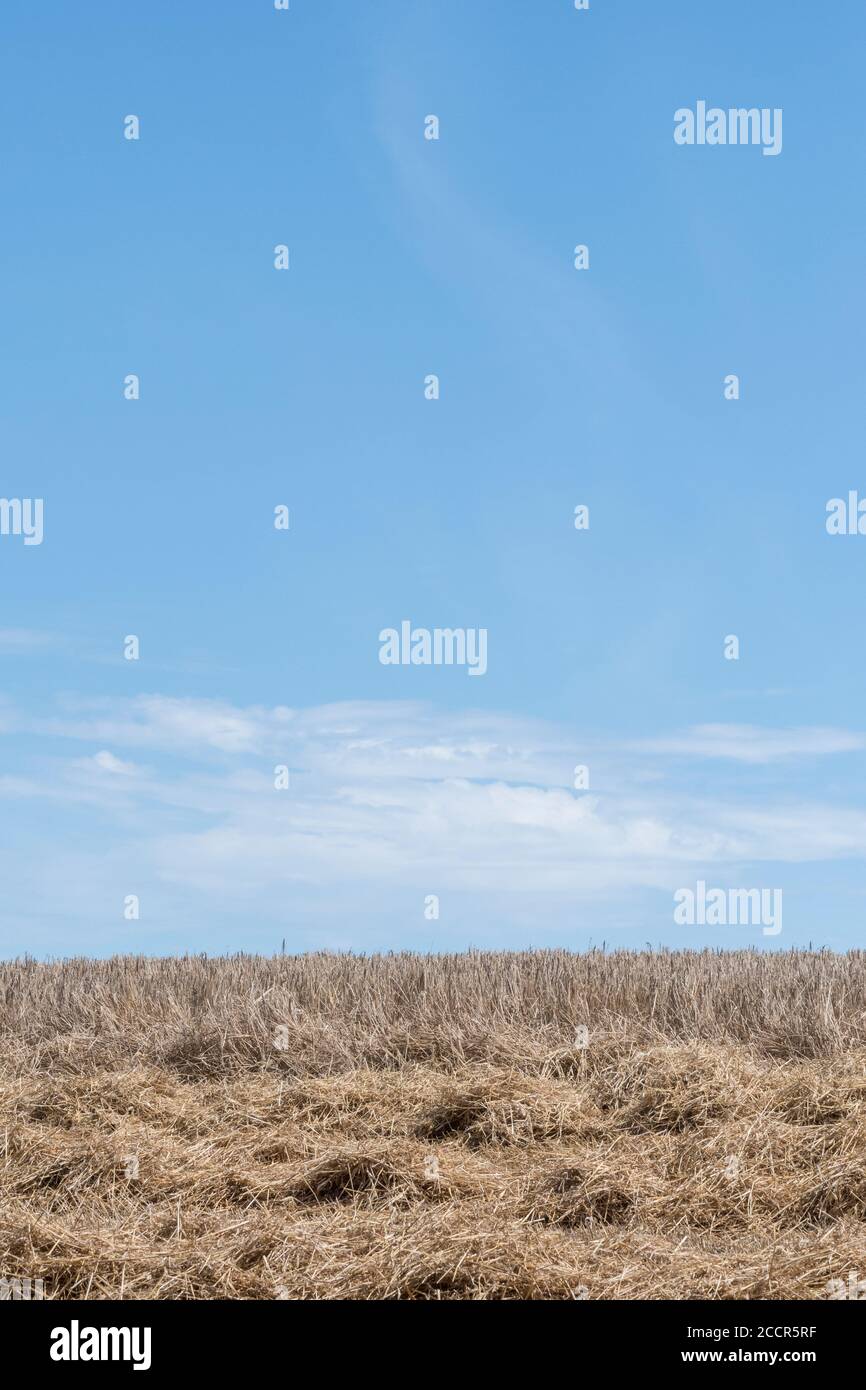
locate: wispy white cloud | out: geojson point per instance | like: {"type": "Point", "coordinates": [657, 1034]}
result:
{"type": "Point", "coordinates": [164, 722]}
{"type": "Point", "coordinates": [750, 744]}
{"type": "Point", "coordinates": [384, 793]}
{"type": "Point", "coordinates": [21, 641]}
{"type": "Point", "coordinates": [107, 762]}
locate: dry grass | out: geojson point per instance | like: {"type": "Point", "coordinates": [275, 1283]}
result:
{"type": "Point", "coordinates": [431, 1127]}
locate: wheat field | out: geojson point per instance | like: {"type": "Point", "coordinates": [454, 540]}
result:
{"type": "Point", "coordinates": [490, 1125]}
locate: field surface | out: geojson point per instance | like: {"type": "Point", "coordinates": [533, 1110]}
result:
{"type": "Point", "coordinates": [481, 1126]}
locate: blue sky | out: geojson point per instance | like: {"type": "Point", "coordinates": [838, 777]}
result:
{"type": "Point", "coordinates": [558, 387]}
